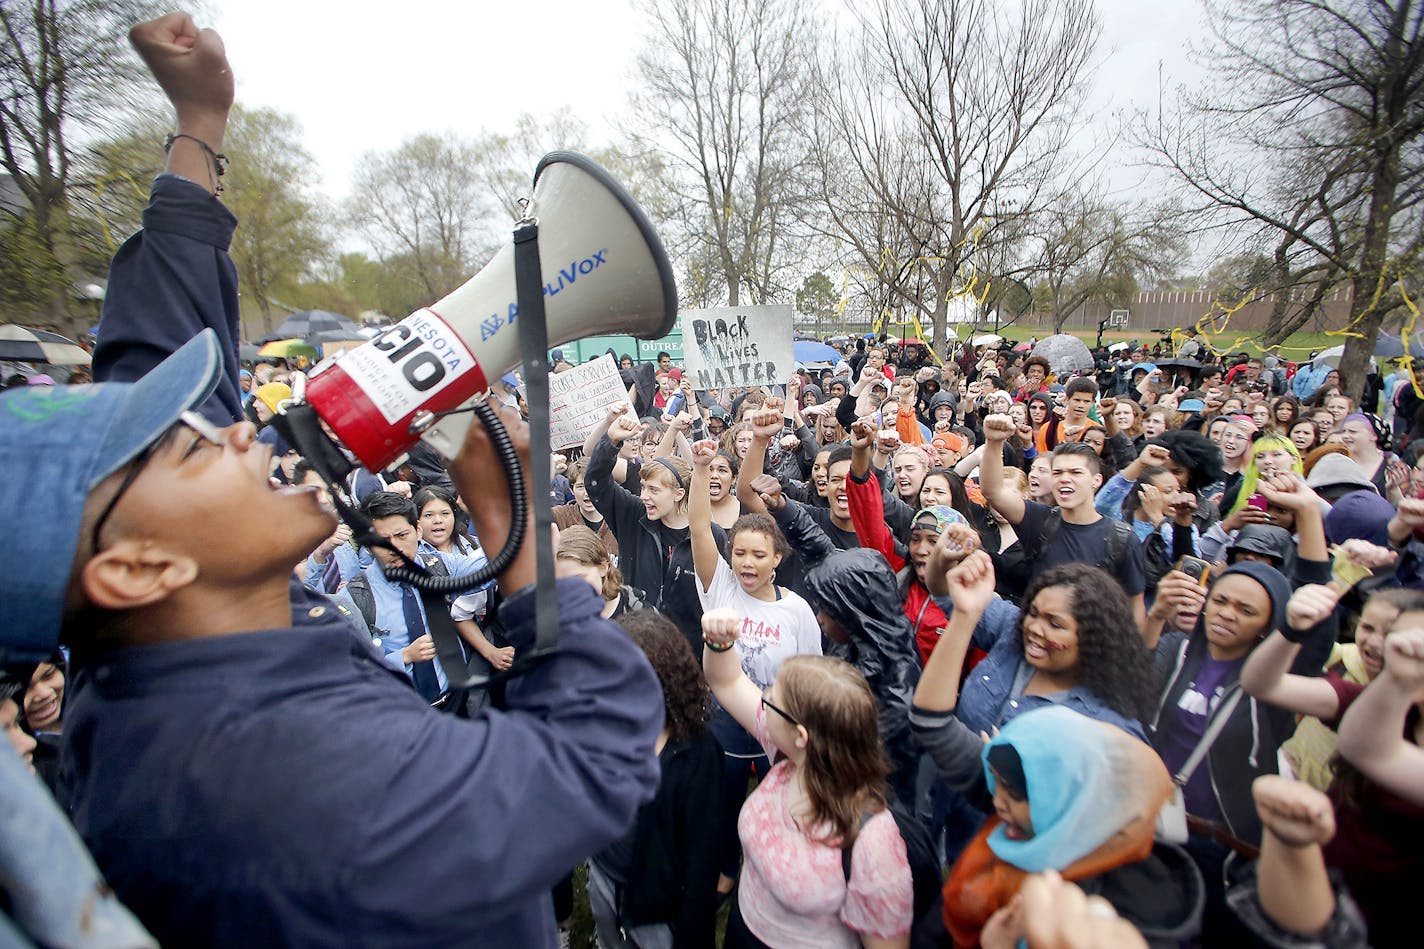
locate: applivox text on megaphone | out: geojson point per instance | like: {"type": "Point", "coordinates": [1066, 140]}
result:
{"type": "Point", "coordinates": [604, 270]}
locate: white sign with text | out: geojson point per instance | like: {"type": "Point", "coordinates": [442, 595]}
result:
{"type": "Point", "coordinates": [579, 399]}
{"type": "Point", "coordinates": [739, 346]}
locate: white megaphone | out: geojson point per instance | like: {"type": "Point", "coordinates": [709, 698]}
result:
{"type": "Point", "coordinates": [604, 270]}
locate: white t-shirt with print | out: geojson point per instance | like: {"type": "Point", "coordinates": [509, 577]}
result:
{"type": "Point", "coordinates": [772, 631]}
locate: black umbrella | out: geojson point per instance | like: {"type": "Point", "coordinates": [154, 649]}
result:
{"type": "Point", "coordinates": [19, 344]}
{"type": "Point", "coordinates": [308, 322]}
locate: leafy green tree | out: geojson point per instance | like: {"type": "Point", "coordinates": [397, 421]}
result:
{"type": "Point", "coordinates": [817, 300]}
{"type": "Point", "coordinates": [282, 235]}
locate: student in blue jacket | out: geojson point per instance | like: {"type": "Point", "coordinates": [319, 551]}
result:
{"type": "Point", "coordinates": [246, 770]}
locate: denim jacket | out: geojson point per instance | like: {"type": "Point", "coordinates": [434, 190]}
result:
{"type": "Point", "coordinates": [993, 693]}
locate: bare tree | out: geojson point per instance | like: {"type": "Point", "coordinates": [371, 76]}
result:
{"type": "Point", "coordinates": [508, 160]}
{"type": "Point", "coordinates": [62, 63]}
{"type": "Point", "coordinates": [1313, 137]}
{"type": "Point", "coordinates": [439, 206]}
{"type": "Point", "coordinates": [944, 118]}
{"type": "Point", "coordinates": [724, 83]}
{"type": "Point", "coordinates": [422, 207]}
{"type": "Point", "coordinates": [1091, 249]}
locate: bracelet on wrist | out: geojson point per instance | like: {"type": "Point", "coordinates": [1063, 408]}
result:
{"type": "Point", "coordinates": [218, 159]}
{"type": "Point", "coordinates": [715, 646]}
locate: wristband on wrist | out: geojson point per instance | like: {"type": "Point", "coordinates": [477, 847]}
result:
{"type": "Point", "coordinates": [218, 160]}
{"type": "Point", "coordinates": [716, 647]}
{"type": "Point", "coordinates": [1296, 636]}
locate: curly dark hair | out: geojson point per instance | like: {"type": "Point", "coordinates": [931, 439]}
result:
{"type": "Point", "coordinates": [1194, 452]}
{"type": "Point", "coordinates": [687, 702]}
{"type": "Point", "coordinates": [1037, 361]}
{"type": "Point", "coordinates": [1113, 662]}
{"type": "Point", "coordinates": [760, 524]}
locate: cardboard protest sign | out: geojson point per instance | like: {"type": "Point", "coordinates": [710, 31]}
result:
{"type": "Point", "coordinates": [579, 399]}
{"type": "Point", "coordinates": [737, 346]}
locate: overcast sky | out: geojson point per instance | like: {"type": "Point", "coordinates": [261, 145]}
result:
{"type": "Point", "coordinates": [363, 75]}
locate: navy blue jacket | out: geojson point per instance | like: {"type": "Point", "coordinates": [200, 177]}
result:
{"type": "Point", "coordinates": [167, 284]}
{"type": "Point", "coordinates": [285, 787]}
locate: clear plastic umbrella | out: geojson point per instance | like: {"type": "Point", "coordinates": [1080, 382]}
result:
{"type": "Point", "coordinates": [1065, 353]}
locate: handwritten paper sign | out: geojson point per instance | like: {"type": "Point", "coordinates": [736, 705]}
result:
{"type": "Point", "coordinates": [579, 400]}
{"type": "Point", "coordinates": [737, 346]}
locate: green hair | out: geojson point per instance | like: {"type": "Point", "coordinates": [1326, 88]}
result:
{"type": "Point", "coordinates": [1250, 477]}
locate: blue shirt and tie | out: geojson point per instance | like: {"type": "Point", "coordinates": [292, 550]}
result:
{"type": "Point", "coordinates": [401, 619]}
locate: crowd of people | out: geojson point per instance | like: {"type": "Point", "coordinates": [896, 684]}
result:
{"type": "Point", "coordinates": [924, 649]}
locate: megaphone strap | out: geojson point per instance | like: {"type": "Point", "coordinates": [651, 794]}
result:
{"type": "Point", "coordinates": [534, 341]}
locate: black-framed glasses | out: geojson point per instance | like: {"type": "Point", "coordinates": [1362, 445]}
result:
{"type": "Point", "coordinates": [200, 425]}
{"type": "Point", "coordinates": [767, 703]}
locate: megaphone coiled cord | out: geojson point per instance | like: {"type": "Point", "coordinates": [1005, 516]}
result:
{"type": "Point", "coordinates": [519, 518]}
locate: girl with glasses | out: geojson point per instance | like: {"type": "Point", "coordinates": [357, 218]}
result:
{"type": "Point", "coordinates": [825, 792]}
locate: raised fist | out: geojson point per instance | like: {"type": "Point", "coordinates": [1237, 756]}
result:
{"type": "Point", "coordinates": [190, 65]}
{"type": "Point", "coordinates": [971, 583]}
{"type": "Point", "coordinates": [768, 488]}
{"type": "Point", "coordinates": [623, 428]}
{"type": "Point", "coordinates": [998, 428]}
{"type": "Point", "coordinates": [721, 627]}
{"type": "Point", "coordinates": [1311, 604]}
{"type": "Point", "coordinates": [766, 423]}
{"type": "Point", "coordinates": [1404, 657]}
{"type": "Point", "coordinates": [1155, 455]}
{"type": "Point", "coordinates": [1287, 490]}
{"type": "Point", "coordinates": [1293, 811]}
{"type": "Point", "coordinates": [1411, 512]}
{"type": "Point", "coordinates": [703, 452]}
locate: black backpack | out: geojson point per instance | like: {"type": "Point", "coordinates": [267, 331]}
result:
{"type": "Point", "coordinates": [926, 871]}
{"type": "Point", "coordinates": [1116, 551]}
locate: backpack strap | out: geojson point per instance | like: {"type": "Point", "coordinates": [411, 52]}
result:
{"type": "Point", "coordinates": [846, 849]}
{"type": "Point", "coordinates": [360, 592]}
{"type": "Point", "coordinates": [1118, 532]}
{"type": "Point", "coordinates": [1033, 553]}
{"type": "Point", "coordinates": [902, 580]}
{"type": "Point", "coordinates": [434, 565]}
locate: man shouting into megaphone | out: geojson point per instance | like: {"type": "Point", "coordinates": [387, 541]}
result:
{"type": "Point", "coordinates": [245, 768]}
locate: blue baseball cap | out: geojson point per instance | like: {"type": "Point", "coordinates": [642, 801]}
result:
{"type": "Point", "coordinates": [1191, 405]}
{"type": "Point", "coordinates": [56, 445]}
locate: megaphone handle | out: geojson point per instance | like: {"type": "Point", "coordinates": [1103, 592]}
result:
{"type": "Point", "coordinates": [534, 341]}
